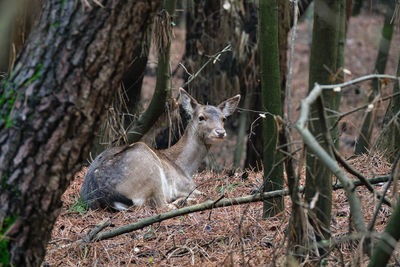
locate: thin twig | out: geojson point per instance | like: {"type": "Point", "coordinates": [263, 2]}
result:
{"type": "Point", "coordinates": [342, 115]}
{"type": "Point", "coordinates": [378, 207]}
{"type": "Point", "coordinates": [357, 174]}
{"type": "Point", "coordinates": [212, 58]}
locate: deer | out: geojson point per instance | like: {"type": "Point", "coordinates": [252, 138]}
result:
{"type": "Point", "coordinates": [136, 174]}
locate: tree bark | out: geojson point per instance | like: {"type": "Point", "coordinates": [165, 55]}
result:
{"type": "Point", "coordinates": [271, 103]}
{"type": "Point", "coordinates": [50, 107]}
{"type": "Point", "coordinates": [323, 53]}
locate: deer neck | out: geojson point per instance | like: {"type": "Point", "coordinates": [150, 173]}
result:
{"type": "Point", "coordinates": [188, 152]}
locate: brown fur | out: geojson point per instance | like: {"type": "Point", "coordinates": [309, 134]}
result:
{"type": "Point", "coordinates": [137, 174]}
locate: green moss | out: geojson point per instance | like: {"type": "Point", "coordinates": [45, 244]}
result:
{"type": "Point", "coordinates": [4, 241]}
{"type": "Point", "coordinates": [35, 76]}
{"type": "Point", "coordinates": [9, 95]}
{"type": "Point", "coordinates": [7, 100]}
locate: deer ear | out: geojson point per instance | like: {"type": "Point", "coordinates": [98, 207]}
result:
{"type": "Point", "coordinates": [187, 101]}
{"type": "Point", "coordinates": [228, 106]}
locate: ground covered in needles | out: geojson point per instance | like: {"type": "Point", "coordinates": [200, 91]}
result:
{"type": "Point", "coordinates": [223, 236]}
{"type": "Point", "coordinates": [235, 235]}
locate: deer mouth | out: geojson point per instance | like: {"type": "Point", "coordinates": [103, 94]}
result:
{"type": "Point", "coordinates": [218, 138]}
{"type": "Point", "coordinates": [214, 140]}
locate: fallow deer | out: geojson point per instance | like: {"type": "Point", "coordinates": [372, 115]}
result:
{"type": "Point", "coordinates": [137, 174]}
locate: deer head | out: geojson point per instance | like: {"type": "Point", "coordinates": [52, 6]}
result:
{"type": "Point", "coordinates": [208, 121]}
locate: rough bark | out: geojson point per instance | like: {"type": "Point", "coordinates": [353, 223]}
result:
{"type": "Point", "coordinates": [126, 102]}
{"type": "Point", "coordinates": [50, 107]}
{"type": "Point", "coordinates": [323, 53]}
{"type": "Point", "coordinates": [210, 27]}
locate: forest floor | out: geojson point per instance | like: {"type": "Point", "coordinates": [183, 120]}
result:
{"type": "Point", "coordinates": [217, 237]}
{"type": "Point", "coordinates": [235, 235]}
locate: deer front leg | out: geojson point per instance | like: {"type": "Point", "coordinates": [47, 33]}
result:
{"type": "Point", "coordinates": [191, 199]}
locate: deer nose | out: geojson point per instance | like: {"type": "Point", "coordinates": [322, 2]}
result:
{"type": "Point", "coordinates": [221, 133]}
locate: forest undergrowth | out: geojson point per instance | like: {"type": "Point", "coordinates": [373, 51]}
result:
{"type": "Point", "coordinates": [235, 235]}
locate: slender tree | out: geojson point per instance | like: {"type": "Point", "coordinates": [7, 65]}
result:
{"type": "Point", "coordinates": [50, 107]}
{"type": "Point", "coordinates": [163, 34]}
{"type": "Point", "coordinates": [323, 62]}
{"type": "Point", "coordinates": [364, 139]}
{"type": "Point", "coordinates": [271, 102]}
{"type": "Point", "coordinates": [389, 139]}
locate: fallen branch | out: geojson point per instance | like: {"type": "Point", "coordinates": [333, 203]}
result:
{"type": "Point", "coordinates": [94, 235]}
{"type": "Point", "coordinates": [89, 237]}
{"type": "Point", "coordinates": [209, 204]}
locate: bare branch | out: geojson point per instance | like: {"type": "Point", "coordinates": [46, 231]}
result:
{"type": "Point", "coordinates": [323, 155]}
{"type": "Point", "coordinates": [213, 58]}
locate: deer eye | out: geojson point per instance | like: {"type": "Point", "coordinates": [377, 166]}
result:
{"type": "Point", "coordinates": [223, 119]}
{"type": "Point", "coordinates": [201, 118]}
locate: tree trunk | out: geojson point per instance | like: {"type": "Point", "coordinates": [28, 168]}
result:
{"type": "Point", "coordinates": [271, 103]}
{"type": "Point", "coordinates": [162, 91]}
{"type": "Point", "coordinates": [210, 27]}
{"type": "Point", "coordinates": [284, 24]}
{"type": "Point", "coordinates": [364, 139]}
{"type": "Point", "coordinates": [389, 139]}
{"type": "Point", "coordinates": [50, 107]}
{"type": "Point", "coordinates": [255, 144]}
{"type": "Point", "coordinates": [324, 50]}
{"type": "Point", "coordinates": [126, 102]}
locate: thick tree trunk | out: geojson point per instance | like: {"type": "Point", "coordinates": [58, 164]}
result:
{"type": "Point", "coordinates": [51, 106]}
